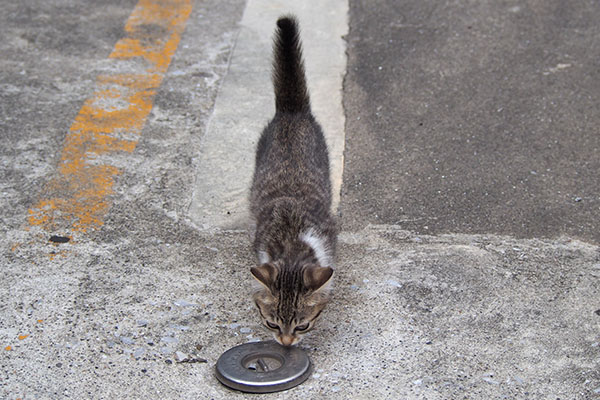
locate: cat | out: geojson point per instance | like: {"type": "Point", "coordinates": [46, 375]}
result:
{"type": "Point", "coordinates": [290, 201]}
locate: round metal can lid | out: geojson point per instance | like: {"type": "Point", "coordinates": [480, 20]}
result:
{"type": "Point", "coordinates": [263, 367]}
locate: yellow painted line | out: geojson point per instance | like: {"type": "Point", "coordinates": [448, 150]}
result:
{"type": "Point", "coordinates": [111, 120]}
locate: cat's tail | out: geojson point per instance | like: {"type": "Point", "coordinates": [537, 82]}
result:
{"type": "Point", "coordinates": [289, 80]}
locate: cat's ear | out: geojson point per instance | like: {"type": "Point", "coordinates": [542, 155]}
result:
{"type": "Point", "coordinates": [316, 277]}
{"type": "Point", "coordinates": [265, 274]}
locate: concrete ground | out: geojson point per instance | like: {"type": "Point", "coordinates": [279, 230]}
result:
{"type": "Point", "coordinates": [468, 262]}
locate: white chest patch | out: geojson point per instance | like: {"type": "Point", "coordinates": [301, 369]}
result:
{"type": "Point", "coordinates": [263, 257]}
{"type": "Point", "coordinates": [319, 246]}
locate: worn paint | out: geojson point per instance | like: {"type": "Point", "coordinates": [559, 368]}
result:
{"type": "Point", "coordinates": [111, 120]}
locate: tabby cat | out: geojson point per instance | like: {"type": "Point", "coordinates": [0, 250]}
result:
{"type": "Point", "coordinates": [290, 201]}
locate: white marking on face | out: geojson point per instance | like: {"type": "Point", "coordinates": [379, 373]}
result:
{"type": "Point", "coordinates": [321, 249]}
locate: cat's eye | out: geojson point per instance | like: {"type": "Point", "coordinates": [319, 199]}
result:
{"type": "Point", "coordinates": [272, 325]}
{"type": "Point", "coordinates": [301, 328]}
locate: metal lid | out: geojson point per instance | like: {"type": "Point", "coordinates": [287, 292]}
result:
{"type": "Point", "coordinates": [263, 367]}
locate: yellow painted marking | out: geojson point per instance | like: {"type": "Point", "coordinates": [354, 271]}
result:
{"type": "Point", "coordinates": [63, 253]}
{"type": "Point", "coordinates": [8, 348]}
{"type": "Point", "coordinates": [111, 121]}
{"type": "Point", "coordinates": [22, 337]}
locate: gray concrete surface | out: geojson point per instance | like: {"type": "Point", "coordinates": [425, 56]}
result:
{"type": "Point", "coordinates": [416, 316]}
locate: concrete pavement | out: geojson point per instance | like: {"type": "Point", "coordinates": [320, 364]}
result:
{"type": "Point", "coordinates": [499, 305]}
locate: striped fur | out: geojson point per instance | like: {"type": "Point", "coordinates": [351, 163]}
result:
{"type": "Point", "coordinates": [290, 200]}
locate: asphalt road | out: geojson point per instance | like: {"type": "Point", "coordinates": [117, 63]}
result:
{"type": "Point", "coordinates": [468, 262]}
{"type": "Point", "coordinates": [474, 117]}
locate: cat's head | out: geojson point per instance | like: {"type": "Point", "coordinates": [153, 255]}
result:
{"type": "Point", "coordinates": [290, 301]}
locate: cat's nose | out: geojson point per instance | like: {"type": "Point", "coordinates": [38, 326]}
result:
{"type": "Point", "coordinates": [287, 340]}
